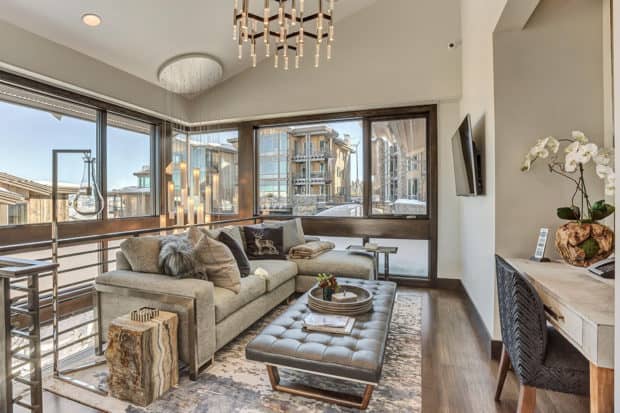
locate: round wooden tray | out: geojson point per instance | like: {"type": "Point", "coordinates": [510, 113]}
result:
{"type": "Point", "coordinates": [361, 306]}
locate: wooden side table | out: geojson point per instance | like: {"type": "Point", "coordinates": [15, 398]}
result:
{"type": "Point", "coordinates": [142, 357]}
{"type": "Point", "coordinates": [386, 251]}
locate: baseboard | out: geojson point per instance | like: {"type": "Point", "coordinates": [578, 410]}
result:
{"type": "Point", "coordinates": [449, 284]}
{"type": "Point", "coordinates": [491, 347]}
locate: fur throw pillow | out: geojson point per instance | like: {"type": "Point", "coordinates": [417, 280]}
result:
{"type": "Point", "coordinates": [176, 256]}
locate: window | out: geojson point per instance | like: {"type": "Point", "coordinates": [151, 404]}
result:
{"type": "Point", "coordinates": [398, 167]}
{"type": "Point", "coordinates": [129, 167]}
{"type": "Point", "coordinates": [311, 169]}
{"type": "Point", "coordinates": [214, 171]}
{"type": "Point", "coordinates": [33, 125]}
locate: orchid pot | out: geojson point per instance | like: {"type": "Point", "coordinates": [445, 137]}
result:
{"type": "Point", "coordinates": [583, 240]}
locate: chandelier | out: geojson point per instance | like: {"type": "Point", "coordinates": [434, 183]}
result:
{"type": "Point", "coordinates": [284, 33]}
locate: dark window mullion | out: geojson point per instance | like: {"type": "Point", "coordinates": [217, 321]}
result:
{"type": "Point", "coordinates": [102, 160]}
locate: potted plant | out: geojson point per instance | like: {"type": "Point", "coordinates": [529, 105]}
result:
{"type": "Point", "coordinates": [329, 285]}
{"type": "Point", "coordinates": [582, 241]}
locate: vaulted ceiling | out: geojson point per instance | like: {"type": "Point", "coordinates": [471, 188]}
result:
{"type": "Point", "coordinates": [137, 36]}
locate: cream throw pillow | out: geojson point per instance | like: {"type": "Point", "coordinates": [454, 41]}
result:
{"type": "Point", "coordinates": [142, 253]}
{"type": "Point", "coordinates": [215, 259]}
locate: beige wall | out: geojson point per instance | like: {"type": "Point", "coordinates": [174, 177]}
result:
{"type": "Point", "coordinates": [520, 85]}
{"type": "Point", "coordinates": [28, 54]}
{"type": "Point", "coordinates": [548, 81]}
{"type": "Point", "coordinates": [477, 215]}
{"type": "Point", "coordinates": [383, 56]}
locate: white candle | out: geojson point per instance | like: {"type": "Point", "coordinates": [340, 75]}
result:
{"type": "Point", "coordinates": [183, 168]}
{"type": "Point", "coordinates": [180, 217]}
{"type": "Point", "coordinates": [216, 190]}
{"type": "Point", "coordinates": [208, 208]}
{"type": "Point", "coordinates": [171, 200]}
{"type": "Point", "coordinates": [190, 211]}
{"type": "Point", "coordinates": [196, 184]}
{"type": "Point", "coordinates": [200, 214]}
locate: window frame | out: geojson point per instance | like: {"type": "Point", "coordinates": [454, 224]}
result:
{"type": "Point", "coordinates": [24, 233]}
{"type": "Point", "coordinates": [428, 112]}
{"type": "Point", "coordinates": [368, 167]}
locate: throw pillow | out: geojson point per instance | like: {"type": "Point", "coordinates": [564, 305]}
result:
{"type": "Point", "coordinates": [215, 259]}
{"type": "Point", "coordinates": [293, 232]}
{"type": "Point", "coordinates": [142, 253]}
{"type": "Point", "coordinates": [233, 231]}
{"type": "Point", "coordinates": [176, 256]}
{"type": "Point", "coordinates": [242, 259]}
{"type": "Point", "coordinates": [264, 243]}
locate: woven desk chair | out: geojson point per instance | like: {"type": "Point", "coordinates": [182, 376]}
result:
{"type": "Point", "coordinates": [539, 355]}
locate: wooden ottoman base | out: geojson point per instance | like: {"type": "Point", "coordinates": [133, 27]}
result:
{"type": "Point", "coordinates": [343, 399]}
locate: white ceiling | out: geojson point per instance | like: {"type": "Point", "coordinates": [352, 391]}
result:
{"type": "Point", "coordinates": [137, 36]}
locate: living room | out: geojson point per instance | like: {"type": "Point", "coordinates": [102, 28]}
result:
{"type": "Point", "coordinates": [190, 196]}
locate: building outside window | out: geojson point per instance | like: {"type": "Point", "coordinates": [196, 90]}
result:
{"type": "Point", "coordinates": [214, 171]}
{"type": "Point", "coordinates": [319, 175]}
{"type": "Point", "coordinates": [398, 167]}
{"type": "Point", "coordinates": [129, 167]}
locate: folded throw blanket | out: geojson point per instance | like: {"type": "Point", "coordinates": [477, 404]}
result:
{"type": "Point", "coordinates": [310, 249]}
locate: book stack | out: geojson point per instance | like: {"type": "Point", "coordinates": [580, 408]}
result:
{"type": "Point", "coordinates": [326, 323]}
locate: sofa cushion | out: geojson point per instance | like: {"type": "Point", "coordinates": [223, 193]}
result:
{"type": "Point", "coordinates": [293, 232]}
{"type": "Point", "coordinates": [227, 302]}
{"type": "Point", "coordinates": [142, 253]}
{"type": "Point", "coordinates": [339, 263]}
{"type": "Point", "coordinates": [238, 252]}
{"type": "Point", "coordinates": [215, 260]}
{"type": "Point", "coordinates": [235, 233]}
{"type": "Point", "coordinates": [264, 243]}
{"type": "Point", "coordinates": [278, 272]}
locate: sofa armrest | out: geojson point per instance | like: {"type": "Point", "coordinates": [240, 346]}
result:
{"type": "Point", "coordinates": [192, 299]}
{"type": "Point", "coordinates": [158, 283]}
{"type": "Point", "coordinates": [311, 238]}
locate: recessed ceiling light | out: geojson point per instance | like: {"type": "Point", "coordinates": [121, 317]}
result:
{"type": "Point", "coordinates": [91, 19]}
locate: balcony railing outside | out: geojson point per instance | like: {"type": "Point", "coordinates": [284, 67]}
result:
{"type": "Point", "coordinates": [320, 155]}
{"type": "Point", "coordinates": [81, 259]}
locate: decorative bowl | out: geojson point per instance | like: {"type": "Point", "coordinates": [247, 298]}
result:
{"type": "Point", "coordinates": [362, 305]}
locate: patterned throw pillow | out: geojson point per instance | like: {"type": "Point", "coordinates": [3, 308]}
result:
{"type": "Point", "coordinates": [264, 243]}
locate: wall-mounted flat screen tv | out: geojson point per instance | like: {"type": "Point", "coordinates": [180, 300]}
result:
{"type": "Point", "coordinates": [467, 170]}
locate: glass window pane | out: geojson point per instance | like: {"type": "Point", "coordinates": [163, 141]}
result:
{"type": "Point", "coordinates": [311, 169]}
{"type": "Point", "coordinates": [399, 181]}
{"type": "Point", "coordinates": [411, 260]}
{"type": "Point", "coordinates": [33, 125]}
{"type": "Point", "coordinates": [129, 168]}
{"type": "Point", "coordinates": [214, 171]}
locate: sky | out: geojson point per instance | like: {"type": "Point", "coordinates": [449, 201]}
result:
{"type": "Point", "coordinates": [27, 137]}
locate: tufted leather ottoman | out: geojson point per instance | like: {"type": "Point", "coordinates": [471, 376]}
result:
{"type": "Point", "coordinates": [357, 357]}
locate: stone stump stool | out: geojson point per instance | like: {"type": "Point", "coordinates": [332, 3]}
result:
{"type": "Point", "coordinates": [142, 357]}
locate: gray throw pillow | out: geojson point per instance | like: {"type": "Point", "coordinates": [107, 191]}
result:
{"type": "Point", "coordinates": [215, 259]}
{"type": "Point", "coordinates": [293, 232]}
{"type": "Point", "coordinates": [176, 256]}
{"type": "Point", "coordinates": [142, 253]}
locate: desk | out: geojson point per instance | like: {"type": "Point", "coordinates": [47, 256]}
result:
{"type": "Point", "coordinates": [580, 306]}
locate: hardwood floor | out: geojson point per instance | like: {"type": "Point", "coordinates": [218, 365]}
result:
{"type": "Point", "coordinates": [457, 374]}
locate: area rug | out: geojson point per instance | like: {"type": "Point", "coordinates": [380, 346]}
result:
{"type": "Point", "coordinates": [235, 384]}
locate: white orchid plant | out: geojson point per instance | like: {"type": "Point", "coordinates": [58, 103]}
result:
{"type": "Point", "coordinates": [578, 152]}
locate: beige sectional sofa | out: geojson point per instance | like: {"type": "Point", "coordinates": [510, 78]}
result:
{"type": "Point", "coordinates": [209, 316]}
